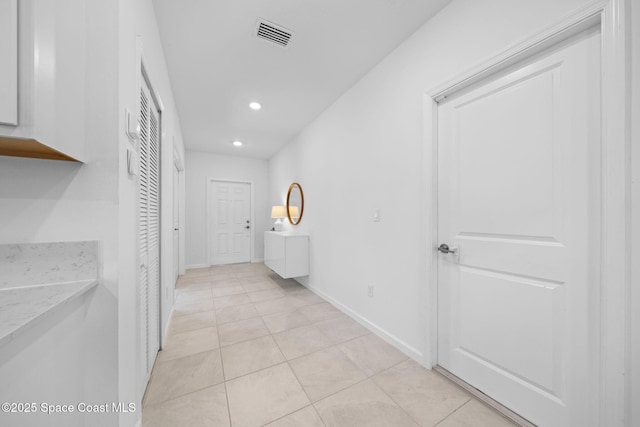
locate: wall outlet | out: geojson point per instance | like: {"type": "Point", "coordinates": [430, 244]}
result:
{"type": "Point", "coordinates": [370, 291]}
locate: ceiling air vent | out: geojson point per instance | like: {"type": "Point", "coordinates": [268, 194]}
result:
{"type": "Point", "coordinates": [273, 33]}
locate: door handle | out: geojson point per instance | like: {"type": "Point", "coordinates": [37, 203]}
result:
{"type": "Point", "coordinates": [444, 248]}
{"type": "Point", "coordinates": [247, 227]}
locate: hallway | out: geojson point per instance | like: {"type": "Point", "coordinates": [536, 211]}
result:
{"type": "Point", "coordinates": [246, 348]}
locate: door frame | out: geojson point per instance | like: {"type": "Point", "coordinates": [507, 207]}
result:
{"type": "Point", "coordinates": [179, 165]}
{"type": "Point", "coordinates": [210, 227]}
{"type": "Point", "coordinates": [145, 77]}
{"type": "Point", "coordinates": [612, 398]}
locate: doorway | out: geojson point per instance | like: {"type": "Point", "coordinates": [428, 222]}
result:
{"type": "Point", "coordinates": [519, 226]}
{"type": "Point", "coordinates": [229, 219]}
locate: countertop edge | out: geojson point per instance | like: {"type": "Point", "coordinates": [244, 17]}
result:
{"type": "Point", "coordinates": [83, 287]}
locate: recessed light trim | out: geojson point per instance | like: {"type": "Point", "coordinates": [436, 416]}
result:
{"type": "Point", "coordinates": [255, 105]}
{"type": "Point", "coordinates": [237, 143]}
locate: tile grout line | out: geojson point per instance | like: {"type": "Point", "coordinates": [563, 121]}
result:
{"type": "Point", "coordinates": [453, 412]}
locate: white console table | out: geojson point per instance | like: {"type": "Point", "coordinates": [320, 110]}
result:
{"type": "Point", "coordinates": [287, 254]}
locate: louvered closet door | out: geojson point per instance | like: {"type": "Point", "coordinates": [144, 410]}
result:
{"type": "Point", "coordinates": [149, 212]}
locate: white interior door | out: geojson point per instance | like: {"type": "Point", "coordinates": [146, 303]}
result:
{"type": "Point", "coordinates": [176, 222]}
{"type": "Point", "coordinates": [149, 220]}
{"type": "Point", "coordinates": [518, 199]}
{"type": "Point", "coordinates": [230, 222]}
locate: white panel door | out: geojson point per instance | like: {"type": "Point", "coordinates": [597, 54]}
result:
{"type": "Point", "coordinates": [518, 198]}
{"type": "Point", "coordinates": [230, 223]}
{"type": "Point", "coordinates": [149, 238]}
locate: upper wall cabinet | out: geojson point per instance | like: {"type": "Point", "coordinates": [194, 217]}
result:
{"type": "Point", "coordinates": [51, 65]}
{"type": "Point", "coordinates": [9, 63]}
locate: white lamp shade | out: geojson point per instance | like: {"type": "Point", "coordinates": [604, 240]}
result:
{"type": "Point", "coordinates": [277, 212]}
{"type": "Point", "coordinates": [294, 212]}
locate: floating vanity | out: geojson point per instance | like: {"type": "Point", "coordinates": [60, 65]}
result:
{"type": "Point", "coordinates": [286, 253]}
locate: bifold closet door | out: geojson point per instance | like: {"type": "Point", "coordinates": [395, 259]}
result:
{"type": "Point", "coordinates": [149, 220]}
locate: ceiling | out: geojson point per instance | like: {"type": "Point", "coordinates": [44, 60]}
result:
{"type": "Point", "coordinates": [217, 65]}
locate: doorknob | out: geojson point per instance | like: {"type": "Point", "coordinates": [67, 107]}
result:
{"type": "Point", "coordinates": [247, 227]}
{"type": "Point", "coordinates": [444, 248]}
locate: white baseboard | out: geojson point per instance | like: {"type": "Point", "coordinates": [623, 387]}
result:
{"type": "Point", "coordinates": [410, 351]}
{"type": "Point", "coordinates": [196, 266]}
{"type": "Point", "coordinates": [257, 260]}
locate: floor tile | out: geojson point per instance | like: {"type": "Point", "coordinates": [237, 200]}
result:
{"type": "Point", "coordinates": [230, 301]}
{"type": "Point", "coordinates": [194, 306]}
{"type": "Point", "coordinates": [319, 312]}
{"type": "Point", "coordinates": [250, 356]}
{"type": "Point", "coordinates": [305, 417]}
{"type": "Point", "coordinates": [372, 354]}
{"type": "Point", "coordinates": [340, 329]}
{"type": "Point", "coordinates": [279, 322]}
{"type": "Point", "coordinates": [259, 286]}
{"type": "Point", "coordinates": [257, 279]}
{"type": "Point", "coordinates": [265, 295]}
{"type": "Point", "coordinates": [425, 395]}
{"type": "Point", "coordinates": [226, 283]}
{"type": "Point", "coordinates": [187, 294]}
{"type": "Point", "coordinates": [264, 396]}
{"type": "Point", "coordinates": [235, 313]}
{"type": "Point", "coordinates": [195, 280]}
{"type": "Point", "coordinates": [203, 408]}
{"type": "Point", "coordinates": [196, 272]}
{"type": "Point", "coordinates": [176, 377]}
{"type": "Point", "coordinates": [475, 414]}
{"type": "Point", "coordinates": [279, 305]}
{"type": "Point", "coordinates": [185, 343]}
{"type": "Point", "coordinates": [243, 330]}
{"type": "Point", "coordinates": [246, 274]}
{"type": "Point", "coordinates": [325, 372]}
{"type": "Point", "coordinates": [362, 405]}
{"type": "Point", "coordinates": [304, 297]}
{"type": "Point", "coordinates": [300, 341]}
{"type": "Point", "coordinates": [190, 322]}
{"type": "Point", "coordinates": [203, 285]}
{"type": "Point", "coordinates": [228, 290]}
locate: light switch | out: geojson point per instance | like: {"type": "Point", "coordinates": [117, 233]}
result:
{"type": "Point", "coordinates": [132, 126]}
{"type": "Point", "coordinates": [376, 214]}
{"type": "Point", "coordinates": [132, 162]}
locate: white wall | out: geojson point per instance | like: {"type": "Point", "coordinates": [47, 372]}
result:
{"type": "Point", "coordinates": [199, 166]}
{"type": "Point", "coordinates": [366, 151]}
{"type": "Point", "coordinates": [138, 28]}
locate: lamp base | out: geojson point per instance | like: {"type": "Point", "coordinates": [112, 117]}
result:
{"type": "Point", "coordinates": [277, 226]}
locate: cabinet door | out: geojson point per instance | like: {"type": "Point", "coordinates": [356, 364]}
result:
{"type": "Point", "coordinates": [9, 62]}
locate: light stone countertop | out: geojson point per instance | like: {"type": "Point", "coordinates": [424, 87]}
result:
{"type": "Point", "coordinates": [22, 308]}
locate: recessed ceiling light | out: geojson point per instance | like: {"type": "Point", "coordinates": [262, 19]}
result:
{"type": "Point", "coordinates": [255, 106]}
{"type": "Point", "coordinates": [237, 143]}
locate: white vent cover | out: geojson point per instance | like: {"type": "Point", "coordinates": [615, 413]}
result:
{"type": "Point", "coordinates": [273, 33]}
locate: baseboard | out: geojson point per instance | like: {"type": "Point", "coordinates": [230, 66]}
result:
{"type": "Point", "coordinates": [257, 260]}
{"type": "Point", "coordinates": [189, 267]}
{"type": "Point", "coordinates": [410, 351]}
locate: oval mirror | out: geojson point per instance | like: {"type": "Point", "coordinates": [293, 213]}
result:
{"type": "Point", "coordinates": [295, 203]}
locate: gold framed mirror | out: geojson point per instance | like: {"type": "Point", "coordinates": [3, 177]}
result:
{"type": "Point", "coordinates": [295, 203]}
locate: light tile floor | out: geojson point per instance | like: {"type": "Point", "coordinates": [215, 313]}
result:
{"type": "Point", "coordinates": [247, 348]}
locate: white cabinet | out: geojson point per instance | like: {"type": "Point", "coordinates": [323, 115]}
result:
{"type": "Point", "coordinates": [287, 254]}
{"type": "Point", "coordinates": [52, 70]}
{"type": "Point", "coordinates": [9, 62]}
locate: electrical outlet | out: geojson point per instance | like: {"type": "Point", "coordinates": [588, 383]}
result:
{"type": "Point", "coordinates": [371, 291]}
